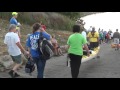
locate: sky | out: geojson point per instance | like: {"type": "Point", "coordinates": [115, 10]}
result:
{"type": "Point", "coordinates": [106, 21]}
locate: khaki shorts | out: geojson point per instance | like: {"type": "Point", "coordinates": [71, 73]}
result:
{"type": "Point", "coordinates": [116, 41]}
{"type": "Point", "coordinates": [17, 59]}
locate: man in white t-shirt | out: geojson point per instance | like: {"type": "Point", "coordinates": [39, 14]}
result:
{"type": "Point", "coordinates": [111, 35]}
{"type": "Point", "coordinates": [90, 29]}
{"type": "Point", "coordinates": [84, 34]}
{"type": "Point", "coordinates": [14, 46]}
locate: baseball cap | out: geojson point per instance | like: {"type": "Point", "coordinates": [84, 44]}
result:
{"type": "Point", "coordinates": [17, 28]}
{"type": "Point", "coordinates": [14, 13]}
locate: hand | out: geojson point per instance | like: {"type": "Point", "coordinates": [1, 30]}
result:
{"type": "Point", "coordinates": [42, 30]}
{"type": "Point", "coordinates": [88, 54]}
{"type": "Point", "coordinates": [19, 24]}
{"type": "Point", "coordinates": [26, 53]}
{"type": "Point", "coordinates": [29, 56]}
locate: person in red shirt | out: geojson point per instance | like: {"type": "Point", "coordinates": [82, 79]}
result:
{"type": "Point", "coordinates": [43, 26]}
{"type": "Point", "coordinates": [107, 37]}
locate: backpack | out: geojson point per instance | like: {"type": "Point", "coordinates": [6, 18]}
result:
{"type": "Point", "coordinates": [46, 49]}
{"type": "Point", "coordinates": [29, 67]}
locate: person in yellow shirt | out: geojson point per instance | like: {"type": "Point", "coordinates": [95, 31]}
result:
{"type": "Point", "coordinates": [93, 38]}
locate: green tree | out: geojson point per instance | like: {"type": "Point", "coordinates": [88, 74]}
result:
{"type": "Point", "coordinates": [71, 15]}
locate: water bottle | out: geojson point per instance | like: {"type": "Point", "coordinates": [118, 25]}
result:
{"type": "Point", "coordinates": [68, 61]}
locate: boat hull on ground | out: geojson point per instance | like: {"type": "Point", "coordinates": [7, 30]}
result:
{"type": "Point", "coordinates": [93, 55]}
{"type": "Point", "coordinates": [86, 58]}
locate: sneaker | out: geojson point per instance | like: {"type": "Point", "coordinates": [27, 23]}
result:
{"type": "Point", "coordinates": [62, 54]}
{"type": "Point", "coordinates": [56, 55]}
{"type": "Point", "coordinates": [11, 73]}
{"type": "Point", "coordinates": [16, 75]}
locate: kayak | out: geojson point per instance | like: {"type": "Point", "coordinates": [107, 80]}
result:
{"type": "Point", "coordinates": [93, 55]}
{"type": "Point", "coordinates": [86, 58]}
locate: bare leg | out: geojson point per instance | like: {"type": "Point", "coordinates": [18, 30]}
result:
{"type": "Point", "coordinates": [16, 67]}
{"type": "Point", "coordinates": [60, 52]}
{"type": "Point", "coordinates": [55, 51]}
{"type": "Point", "coordinates": [117, 46]}
{"type": "Point", "coordinates": [13, 72]}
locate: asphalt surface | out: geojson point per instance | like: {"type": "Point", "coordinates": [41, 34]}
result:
{"type": "Point", "coordinates": [107, 66]}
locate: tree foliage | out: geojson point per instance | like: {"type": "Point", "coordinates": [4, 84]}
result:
{"type": "Point", "coordinates": [71, 15]}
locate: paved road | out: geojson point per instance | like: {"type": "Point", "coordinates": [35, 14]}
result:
{"type": "Point", "coordinates": [108, 66]}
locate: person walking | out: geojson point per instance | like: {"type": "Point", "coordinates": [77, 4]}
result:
{"type": "Point", "coordinates": [14, 21]}
{"type": "Point", "coordinates": [35, 53]}
{"type": "Point", "coordinates": [93, 39]}
{"type": "Point", "coordinates": [75, 43]}
{"type": "Point", "coordinates": [14, 49]}
{"type": "Point", "coordinates": [116, 38]}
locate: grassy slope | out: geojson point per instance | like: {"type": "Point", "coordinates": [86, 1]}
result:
{"type": "Point", "coordinates": [61, 36]}
{"type": "Point", "coordinates": [50, 19]}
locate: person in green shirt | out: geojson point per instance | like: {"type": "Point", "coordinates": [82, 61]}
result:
{"type": "Point", "coordinates": [75, 51]}
{"type": "Point", "coordinates": [100, 37]}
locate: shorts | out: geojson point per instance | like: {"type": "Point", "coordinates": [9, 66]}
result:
{"type": "Point", "coordinates": [105, 37]}
{"type": "Point", "coordinates": [17, 59]}
{"type": "Point", "coordinates": [101, 39]}
{"type": "Point", "coordinates": [111, 37]}
{"type": "Point", "coordinates": [116, 41]}
{"type": "Point", "coordinates": [94, 44]}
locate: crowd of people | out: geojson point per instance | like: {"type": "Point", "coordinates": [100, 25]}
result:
{"type": "Point", "coordinates": [105, 37]}
{"type": "Point", "coordinates": [79, 40]}
{"type": "Point", "coordinates": [15, 49]}
{"type": "Point", "coordinates": [100, 36]}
